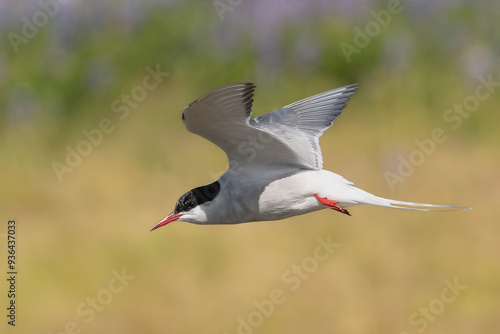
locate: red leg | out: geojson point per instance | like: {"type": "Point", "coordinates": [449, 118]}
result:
{"type": "Point", "coordinates": [332, 204]}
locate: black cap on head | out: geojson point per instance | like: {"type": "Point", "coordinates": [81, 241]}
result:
{"type": "Point", "coordinates": [197, 196]}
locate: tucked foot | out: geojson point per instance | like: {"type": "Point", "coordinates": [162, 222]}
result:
{"type": "Point", "coordinates": [332, 204]}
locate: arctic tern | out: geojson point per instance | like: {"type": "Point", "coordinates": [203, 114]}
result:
{"type": "Point", "coordinates": [275, 161]}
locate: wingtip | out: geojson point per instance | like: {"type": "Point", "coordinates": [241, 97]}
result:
{"type": "Point", "coordinates": [247, 85]}
{"type": "Point", "coordinates": [352, 87]}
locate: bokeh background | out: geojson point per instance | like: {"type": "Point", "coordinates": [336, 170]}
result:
{"type": "Point", "coordinates": [66, 66]}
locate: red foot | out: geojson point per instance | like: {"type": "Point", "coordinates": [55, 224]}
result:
{"type": "Point", "coordinates": [332, 204]}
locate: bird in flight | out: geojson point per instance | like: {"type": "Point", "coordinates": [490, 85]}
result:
{"type": "Point", "coordinates": [275, 161]}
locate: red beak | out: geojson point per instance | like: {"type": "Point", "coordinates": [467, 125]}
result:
{"type": "Point", "coordinates": [168, 219]}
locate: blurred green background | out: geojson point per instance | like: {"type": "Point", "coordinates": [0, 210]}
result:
{"type": "Point", "coordinates": [66, 66]}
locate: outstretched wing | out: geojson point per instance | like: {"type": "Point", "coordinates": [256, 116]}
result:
{"type": "Point", "coordinates": [219, 114]}
{"type": "Point", "coordinates": [222, 117]}
{"type": "Point", "coordinates": [301, 124]}
{"type": "Point", "coordinates": [287, 136]}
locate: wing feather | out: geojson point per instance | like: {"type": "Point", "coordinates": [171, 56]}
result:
{"type": "Point", "coordinates": [222, 117]}
{"type": "Point", "coordinates": [302, 123]}
{"type": "Point", "coordinates": [287, 136]}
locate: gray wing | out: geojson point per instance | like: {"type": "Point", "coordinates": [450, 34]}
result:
{"type": "Point", "coordinates": [222, 116]}
{"type": "Point", "coordinates": [301, 124]}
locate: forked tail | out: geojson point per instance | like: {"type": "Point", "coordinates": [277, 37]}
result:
{"type": "Point", "coordinates": [389, 203]}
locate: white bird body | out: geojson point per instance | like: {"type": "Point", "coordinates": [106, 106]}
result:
{"type": "Point", "coordinates": [276, 167]}
{"type": "Point", "coordinates": [243, 198]}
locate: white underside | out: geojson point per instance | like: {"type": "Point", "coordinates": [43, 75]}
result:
{"type": "Point", "coordinates": [280, 194]}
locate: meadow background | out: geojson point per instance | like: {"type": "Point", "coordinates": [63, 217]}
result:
{"type": "Point", "coordinates": [63, 76]}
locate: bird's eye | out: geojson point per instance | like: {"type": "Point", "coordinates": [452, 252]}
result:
{"type": "Point", "coordinates": [186, 202]}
